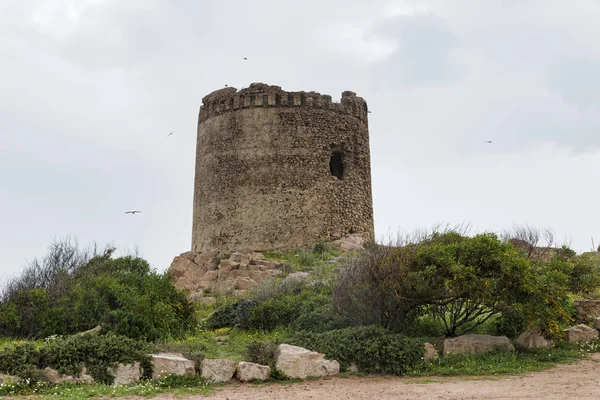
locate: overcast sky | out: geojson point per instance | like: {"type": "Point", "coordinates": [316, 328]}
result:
{"type": "Point", "coordinates": [91, 88]}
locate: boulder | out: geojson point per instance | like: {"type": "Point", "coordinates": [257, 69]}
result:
{"type": "Point", "coordinates": [244, 283]}
{"type": "Point", "coordinates": [241, 259]}
{"type": "Point", "coordinates": [430, 354]}
{"type": "Point", "coordinates": [218, 370]}
{"type": "Point", "coordinates": [298, 362]}
{"type": "Point", "coordinates": [596, 323]}
{"type": "Point", "coordinates": [126, 373]}
{"type": "Point", "coordinates": [581, 334]}
{"type": "Point", "coordinates": [208, 259]}
{"type": "Point", "coordinates": [533, 340]}
{"type": "Point", "coordinates": [470, 344]}
{"type": "Point", "coordinates": [164, 364]}
{"type": "Point", "coordinates": [226, 266]}
{"type": "Point", "coordinates": [247, 371]}
{"type": "Point", "coordinates": [185, 272]}
{"type": "Point", "coordinates": [53, 376]}
{"type": "Point", "coordinates": [349, 243]}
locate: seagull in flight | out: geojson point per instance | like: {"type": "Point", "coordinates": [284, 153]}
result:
{"type": "Point", "coordinates": [169, 134]}
{"type": "Point", "coordinates": [132, 212]}
{"type": "Point", "coordinates": [489, 141]}
{"type": "Point", "coordinates": [245, 59]}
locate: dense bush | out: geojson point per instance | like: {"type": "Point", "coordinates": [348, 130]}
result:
{"type": "Point", "coordinates": [459, 280]}
{"type": "Point", "coordinates": [261, 352]}
{"type": "Point", "coordinates": [234, 315]}
{"type": "Point", "coordinates": [308, 309]}
{"type": "Point", "coordinates": [69, 355]}
{"type": "Point", "coordinates": [122, 293]}
{"type": "Point", "coordinates": [371, 348]}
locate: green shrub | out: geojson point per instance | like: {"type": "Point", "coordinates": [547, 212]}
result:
{"type": "Point", "coordinates": [461, 281]}
{"type": "Point", "coordinates": [235, 315]}
{"type": "Point", "coordinates": [262, 353]}
{"type": "Point", "coordinates": [371, 348]}
{"type": "Point", "coordinates": [18, 360]}
{"type": "Point", "coordinates": [70, 354]}
{"type": "Point", "coordinates": [97, 352]}
{"type": "Point", "coordinates": [61, 297]}
{"type": "Point", "coordinates": [284, 309]}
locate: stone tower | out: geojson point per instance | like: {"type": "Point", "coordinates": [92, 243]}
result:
{"type": "Point", "coordinates": [280, 170]}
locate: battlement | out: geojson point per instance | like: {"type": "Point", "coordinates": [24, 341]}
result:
{"type": "Point", "coordinates": [263, 95]}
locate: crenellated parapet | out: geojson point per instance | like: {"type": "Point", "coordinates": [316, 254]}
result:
{"type": "Point", "coordinates": [263, 95]}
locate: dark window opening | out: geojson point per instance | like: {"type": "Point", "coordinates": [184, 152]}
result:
{"type": "Point", "coordinates": [336, 165]}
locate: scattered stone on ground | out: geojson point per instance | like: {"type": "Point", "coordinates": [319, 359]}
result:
{"type": "Point", "coordinates": [533, 340]}
{"type": "Point", "coordinates": [247, 371]}
{"type": "Point", "coordinates": [298, 362]}
{"type": "Point", "coordinates": [581, 334]}
{"type": "Point", "coordinates": [351, 243]}
{"type": "Point", "coordinates": [126, 373]}
{"type": "Point", "coordinates": [164, 364]}
{"type": "Point", "coordinates": [218, 371]}
{"type": "Point", "coordinates": [470, 344]}
{"type": "Point", "coordinates": [430, 354]}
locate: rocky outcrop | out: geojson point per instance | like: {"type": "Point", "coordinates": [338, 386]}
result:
{"type": "Point", "coordinates": [349, 243]}
{"type": "Point", "coordinates": [580, 334]}
{"type": "Point", "coordinates": [471, 344]}
{"type": "Point", "coordinates": [533, 340]}
{"type": "Point", "coordinates": [165, 364]}
{"type": "Point", "coordinates": [126, 374]}
{"type": "Point", "coordinates": [219, 272]}
{"type": "Point", "coordinates": [53, 376]}
{"type": "Point", "coordinates": [218, 371]}
{"type": "Point", "coordinates": [298, 362]}
{"type": "Point", "coordinates": [247, 372]}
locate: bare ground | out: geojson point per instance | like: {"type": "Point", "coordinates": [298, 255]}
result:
{"type": "Point", "coordinates": [580, 380]}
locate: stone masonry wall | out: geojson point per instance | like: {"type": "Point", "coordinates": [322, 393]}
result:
{"type": "Point", "coordinates": [264, 177]}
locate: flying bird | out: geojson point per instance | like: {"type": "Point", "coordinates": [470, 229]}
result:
{"type": "Point", "coordinates": [245, 59]}
{"type": "Point", "coordinates": [169, 134]}
{"type": "Point", "coordinates": [489, 141]}
{"type": "Point", "coordinates": [132, 212]}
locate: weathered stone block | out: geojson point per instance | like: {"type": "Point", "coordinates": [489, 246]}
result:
{"type": "Point", "coordinates": [165, 364]}
{"type": "Point", "coordinates": [429, 352]}
{"type": "Point", "coordinates": [533, 340]}
{"type": "Point", "coordinates": [581, 334]}
{"type": "Point", "coordinates": [218, 370]}
{"type": "Point", "coordinates": [298, 362]}
{"type": "Point", "coordinates": [126, 374]}
{"type": "Point", "coordinates": [471, 344]}
{"type": "Point", "coordinates": [247, 371]}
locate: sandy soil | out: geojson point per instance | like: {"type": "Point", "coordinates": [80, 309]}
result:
{"type": "Point", "coordinates": [574, 381]}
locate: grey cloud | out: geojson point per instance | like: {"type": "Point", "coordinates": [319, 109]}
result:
{"type": "Point", "coordinates": [424, 52]}
{"type": "Point", "coordinates": [575, 79]}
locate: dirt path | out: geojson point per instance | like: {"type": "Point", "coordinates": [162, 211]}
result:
{"type": "Point", "coordinates": [575, 381]}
